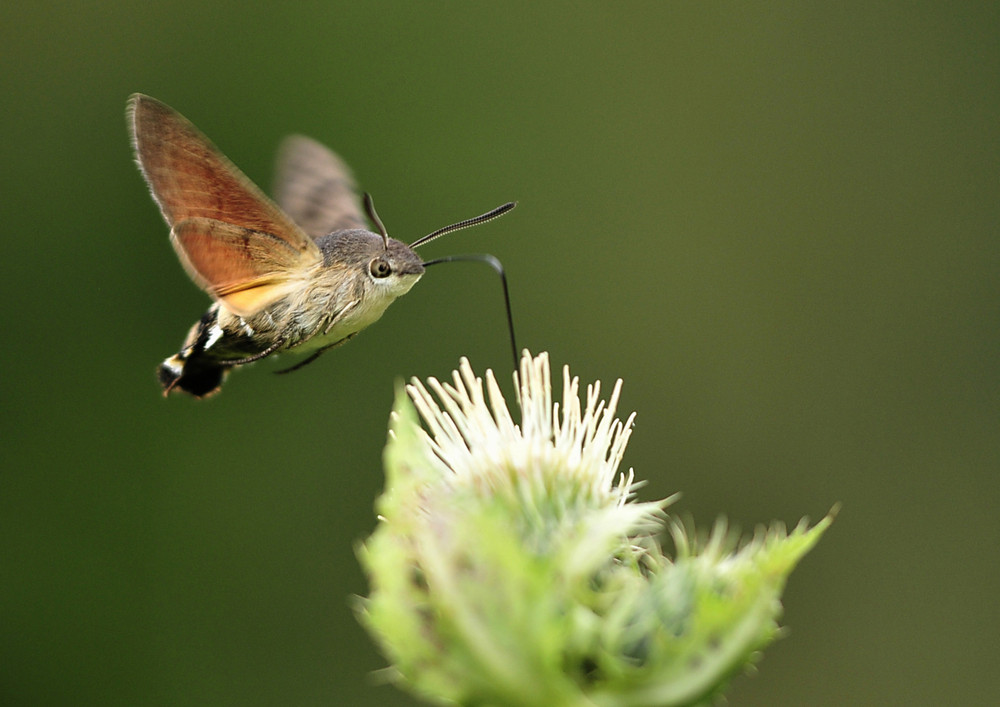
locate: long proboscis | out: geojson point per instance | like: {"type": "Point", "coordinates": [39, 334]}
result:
{"type": "Point", "coordinates": [494, 263]}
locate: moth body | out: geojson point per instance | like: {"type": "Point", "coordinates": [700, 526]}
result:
{"type": "Point", "coordinates": [336, 301]}
{"type": "Point", "coordinates": [301, 275]}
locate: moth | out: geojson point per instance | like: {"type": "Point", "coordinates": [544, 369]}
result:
{"type": "Point", "coordinates": [302, 275]}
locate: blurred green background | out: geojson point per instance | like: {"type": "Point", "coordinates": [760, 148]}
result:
{"type": "Point", "coordinates": [777, 222]}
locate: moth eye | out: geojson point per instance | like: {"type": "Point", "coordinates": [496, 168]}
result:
{"type": "Point", "coordinates": [380, 268]}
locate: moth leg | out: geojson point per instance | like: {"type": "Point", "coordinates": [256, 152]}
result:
{"type": "Point", "coordinates": [254, 357]}
{"type": "Point", "coordinates": [337, 317]}
{"type": "Point", "coordinates": [314, 356]}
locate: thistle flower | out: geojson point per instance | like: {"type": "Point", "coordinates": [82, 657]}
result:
{"type": "Point", "coordinates": [512, 565]}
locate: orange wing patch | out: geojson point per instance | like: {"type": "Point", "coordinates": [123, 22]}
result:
{"type": "Point", "coordinates": [245, 269]}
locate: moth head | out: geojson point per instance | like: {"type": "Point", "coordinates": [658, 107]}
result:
{"type": "Point", "coordinates": [382, 265]}
{"type": "Point", "coordinates": [396, 268]}
{"type": "Point", "coordinates": [385, 267]}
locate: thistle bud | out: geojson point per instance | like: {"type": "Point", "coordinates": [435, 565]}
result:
{"type": "Point", "coordinates": [512, 564]}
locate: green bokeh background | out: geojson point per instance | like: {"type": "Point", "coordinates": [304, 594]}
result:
{"type": "Point", "coordinates": [777, 222]}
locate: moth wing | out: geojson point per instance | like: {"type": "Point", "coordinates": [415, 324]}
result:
{"type": "Point", "coordinates": [316, 188]}
{"type": "Point", "coordinates": [244, 269]}
{"type": "Point", "coordinates": [190, 178]}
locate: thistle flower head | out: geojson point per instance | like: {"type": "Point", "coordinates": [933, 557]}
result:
{"type": "Point", "coordinates": [512, 565]}
{"type": "Point", "coordinates": [557, 467]}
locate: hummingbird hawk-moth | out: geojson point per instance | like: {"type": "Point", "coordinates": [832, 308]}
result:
{"type": "Point", "coordinates": [301, 275]}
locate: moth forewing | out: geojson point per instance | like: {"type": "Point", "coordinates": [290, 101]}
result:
{"type": "Point", "coordinates": [190, 178]}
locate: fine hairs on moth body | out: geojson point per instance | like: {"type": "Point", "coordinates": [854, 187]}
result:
{"type": "Point", "coordinates": [302, 275]}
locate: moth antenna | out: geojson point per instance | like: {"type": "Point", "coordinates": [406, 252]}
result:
{"type": "Point", "coordinates": [467, 223]}
{"type": "Point", "coordinates": [490, 260]}
{"type": "Point", "coordinates": [370, 210]}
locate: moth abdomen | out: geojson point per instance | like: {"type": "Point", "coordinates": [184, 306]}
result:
{"type": "Point", "coordinates": [205, 357]}
{"type": "Point", "coordinates": [196, 376]}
